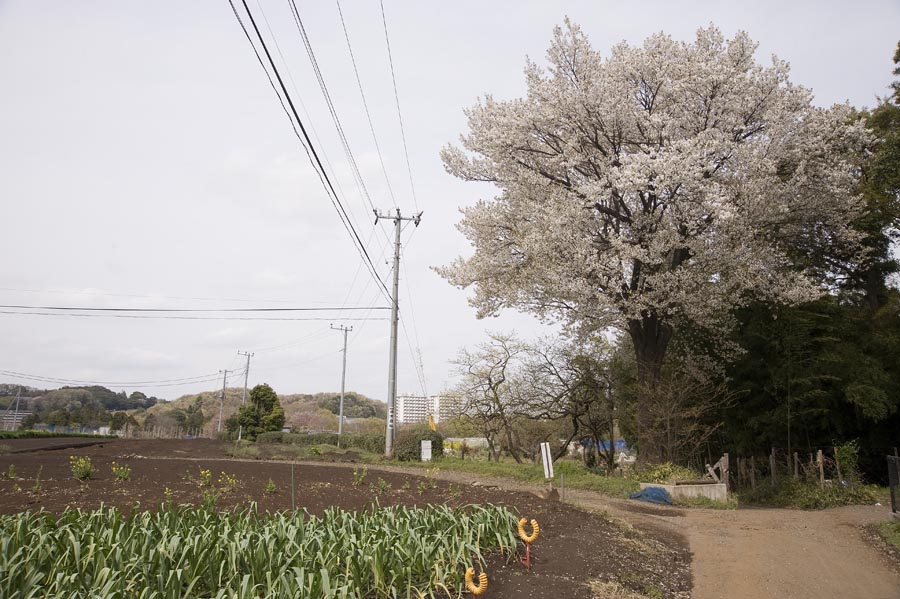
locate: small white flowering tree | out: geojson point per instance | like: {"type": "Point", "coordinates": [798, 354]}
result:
{"type": "Point", "coordinates": [664, 183]}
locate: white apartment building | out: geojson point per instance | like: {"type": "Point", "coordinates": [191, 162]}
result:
{"type": "Point", "coordinates": [417, 408]}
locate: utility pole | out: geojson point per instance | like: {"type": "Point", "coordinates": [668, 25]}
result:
{"type": "Point", "coordinates": [390, 429]}
{"type": "Point", "coordinates": [222, 400]}
{"type": "Point", "coordinates": [246, 377]}
{"type": "Point", "coordinates": [15, 422]}
{"type": "Point", "coordinates": [343, 379]}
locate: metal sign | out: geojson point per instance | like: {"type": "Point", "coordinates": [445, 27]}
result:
{"type": "Point", "coordinates": [547, 458]}
{"type": "Point", "coordinates": [426, 450]}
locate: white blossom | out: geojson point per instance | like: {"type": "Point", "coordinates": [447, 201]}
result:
{"type": "Point", "coordinates": [663, 181]}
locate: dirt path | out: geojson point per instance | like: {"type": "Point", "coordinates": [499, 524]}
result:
{"type": "Point", "coordinates": [788, 553]}
{"type": "Point", "coordinates": [762, 553]}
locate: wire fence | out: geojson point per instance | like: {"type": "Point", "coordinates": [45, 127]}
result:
{"type": "Point", "coordinates": [893, 463]}
{"type": "Point", "coordinates": [821, 467]}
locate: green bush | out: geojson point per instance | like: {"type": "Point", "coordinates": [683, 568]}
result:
{"type": "Point", "coordinates": [369, 443]}
{"type": "Point", "coordinates": [848, 457]}
{"type": "Point", "coordinates": [271, 437]}
{"type": "Point", "coordinates": [809, 495]}
{"type": "Point", "coordinates": [664, 474]}
{"type": "Point", "coordinates": [408, 447]}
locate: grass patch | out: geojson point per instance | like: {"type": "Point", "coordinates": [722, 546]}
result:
{"type": "Point", "coordinates": [613, 590]}
{"type": "Point", "coordinates": [244, 450]}
{"type": "Point", "coordinates": [576, 475]}
{"type": "Point", "coordinates": [890, 531]}
{"type": "Point", "coordinates": [319, 453]}
{"type": "Point", "coordinates": [792, 493]}
{"type": "Point", "coordinates": [706, 502]}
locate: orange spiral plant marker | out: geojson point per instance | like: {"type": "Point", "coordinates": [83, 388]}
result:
{"type": "Point", "coordinates": [482, 585]}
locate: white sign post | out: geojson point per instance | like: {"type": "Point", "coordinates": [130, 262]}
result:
{"type": "Point", "coordinates": [548, 461]}
{"type": "Point", "coordinates": [426, 450]}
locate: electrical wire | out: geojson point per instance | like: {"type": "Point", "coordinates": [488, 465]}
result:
{"type": "Point", "coordinates": [351, 159]}
{"type": "Point", "coordinates": [362, 94]}
{"type": "Point", "coordinates": [146, 384]}
{"type": "Point", "coordinates": [89, 309]}
{"type": "Point", "coordinates": [387, 39]}
{"type": "Point", "coordinates": [311, 337]}
{"type": "Point", "coordinates": [300, 101]}
{"type": "Point", "coordinates": [173, 317]}
{"type": "Point", "coordinates": [307, 143]}
{"type": "Point", "coordinates": [412, 314]}
{"type": "Point", "coordinates": [134, 295]}
{"type": "Point", "coordinates": [420, 373]}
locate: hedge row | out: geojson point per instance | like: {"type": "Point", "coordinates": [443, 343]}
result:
{"type": "Point", "coordinates": [370, 443]}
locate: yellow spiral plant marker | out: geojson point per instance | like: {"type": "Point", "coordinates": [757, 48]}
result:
{"type": "Point", "coordinates": [536, 530]}
{"type": "Point", "coordinates": [528, 539]}
{"type": "Point", "coordinates": [482, 585]}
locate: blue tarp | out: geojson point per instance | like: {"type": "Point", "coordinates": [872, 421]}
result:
{"type": "Point", "coordinates": [653, 495]}
{"type": "Point", "coordinates": [602, 445]}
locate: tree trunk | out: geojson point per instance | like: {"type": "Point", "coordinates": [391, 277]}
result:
{"type": "Point", "coordinates": [650, 337]}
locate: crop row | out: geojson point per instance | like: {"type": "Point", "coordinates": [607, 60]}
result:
{"type": "Point", "coordinates": [189, 552]}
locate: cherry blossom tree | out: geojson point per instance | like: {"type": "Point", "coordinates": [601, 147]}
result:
{"type": "Point", "coordinates": [664, 183]}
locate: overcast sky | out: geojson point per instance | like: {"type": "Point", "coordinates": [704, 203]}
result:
{"type": "Point", "coordinates": [145, 162]}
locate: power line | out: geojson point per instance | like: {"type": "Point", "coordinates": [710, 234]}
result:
{"type": "Point", "coordinates": [362, 94]}
{"type": "Point", "coordinates": [89, 309]}
{"type": "Point", "coordinates": [62, 381]}
{"type": "Point", "coordinates": [300, 341]}
{"type": "Point", "coordinates": [298, 21]}
{"type": "Point", "coordinates": [135, 295]}
{"type": "Point", "coordinates": [420, 373]}
{"type": "Point", "coordinates": [307, 143]}
{"type": "Point", "coordinates": [172, 317]}
{"type": "Point", "coordinates": [387, 39]}
{"type": "Point", "coordinates": [420, 367]}
{"type": "Point", "coordinates": [300, 100]}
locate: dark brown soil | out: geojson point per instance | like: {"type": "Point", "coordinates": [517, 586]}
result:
{"type": "Point", "coordinates": [574, 546]}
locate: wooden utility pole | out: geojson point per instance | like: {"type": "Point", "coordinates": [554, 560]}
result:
{"type": "Point", "coordinates": [343, 379]}
{"type": "Point", "coordinates": [244, 394]}
{"type": "Point", "coordinates": [390, 426]}
{"type": "Point", "coordinates": [222, 399]}
{"type": "Point", "coordinates": [821, 460]}
{"type": "Point", "coordinates": [772, 466]}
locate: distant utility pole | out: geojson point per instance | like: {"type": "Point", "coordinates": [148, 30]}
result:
{"type": "Point", "coordinates": [15, 422]}
{"type": "Point", "coordinates": [390, 432]}
{"type": "Point", "coordinates": [246, 378]}
{"type": "Point", "coordinates": [343, 378]}
{"type": "Point", "coordinates": [222, 400]}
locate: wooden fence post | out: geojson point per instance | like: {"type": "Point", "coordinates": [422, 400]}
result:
{"type": "Point", "coordinates": [725, 473]}
{"type": "Point", "coordinates": [772, 466]}
{"type": "Point", "coordinates": [837, 464]}
{"type": "Point", "coordinates": [752, 472]}
{"type": "Point", "coordinates": [821, 460]}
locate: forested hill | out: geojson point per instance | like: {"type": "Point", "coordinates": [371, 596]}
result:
{"type": "Point", "coordinates": [304, 411]}
{"type": "Point", "coordinates": [71, 406]}
{"type": "Point", "coordinates": [96, 406]}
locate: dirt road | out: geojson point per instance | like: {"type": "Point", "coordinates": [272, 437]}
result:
{"type": "Point", "coordinates": [764, 553]}
{"type": "Point", "coordinates": [787, 553]}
